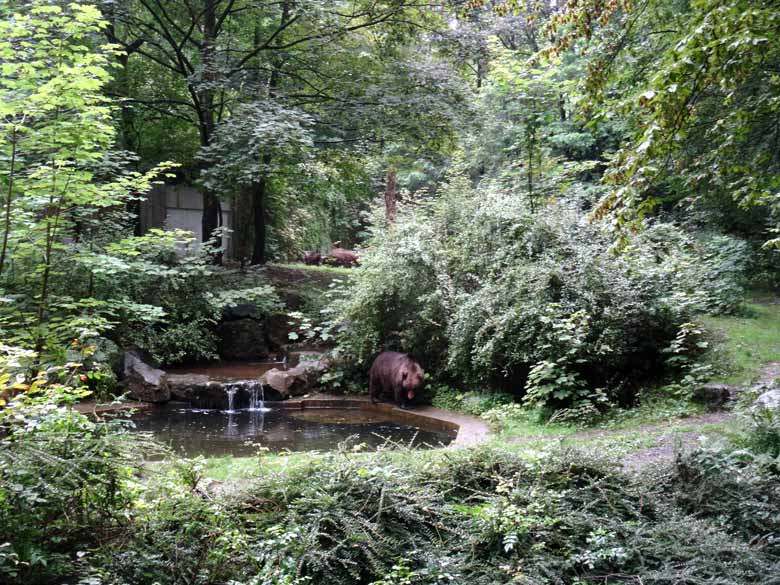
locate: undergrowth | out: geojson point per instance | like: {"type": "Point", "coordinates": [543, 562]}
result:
{"type": "Point", "coordinates": [480, 516]}
{"type": "Point", "coordinates": [77, 506]}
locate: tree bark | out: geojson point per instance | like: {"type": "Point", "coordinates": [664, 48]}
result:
{"type": "Point", "coordinates": [391, 195]}
{"type": "Point", "coordinates": [212, 216]}
{"type": "Point", "coordinates": [120, 85]}
{"type": "Point", "coordinates": [259, 189]}
{"type": "Point", "coordinates": [9, 198]}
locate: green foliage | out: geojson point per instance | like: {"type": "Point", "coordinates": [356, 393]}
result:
{"type": "Point", "coordinates": [534, 302]}
{"type": "Point", "coordinates": [470, 402]}
{"type": "Point", "coordinates": [169, 302]}
{"type": "Point", "coordinates": [58, 177]}
{"type": "Point", "coordinates": [503, 415]}
{"type": "Point", "coordinates": [762, 432]}
{"type": "Point", "coordinates": [477, 516]}
{"type": "Point", "coordinates": [180, 536]}
{"type": "Point", "coordinates": [699, 98]}
{"type": "Point", "coordinates": [736, 490]}
{"type": "Point", "coordinates": [66, 482]}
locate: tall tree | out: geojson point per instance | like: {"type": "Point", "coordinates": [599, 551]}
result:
{"type": "Point", "coordinates": [221, 52]}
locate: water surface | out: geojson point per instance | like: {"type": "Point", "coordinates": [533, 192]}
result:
{"type": "Point", "coordinates": [213, 433]}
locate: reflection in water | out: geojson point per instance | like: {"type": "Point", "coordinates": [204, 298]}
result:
{"type": "Point", "coordinates": [241, 433]}
{"type": "Point", "coordinates": [231, 429]}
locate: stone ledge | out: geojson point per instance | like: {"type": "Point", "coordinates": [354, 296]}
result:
{"type": "Point", "coordinates": [95, 409]}
{"type": "Point", "coordinates": [471, 430]}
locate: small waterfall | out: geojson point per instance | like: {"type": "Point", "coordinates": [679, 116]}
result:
{"type": "Point", "coordinates": [231, 394]}
{"type": "Point", "coordinates": [257, 397]}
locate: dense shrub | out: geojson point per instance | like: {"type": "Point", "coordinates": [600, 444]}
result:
{"type": "Point", "coordinates": [167, 298]}
{"type": "Point", "coordinates": [66, 482]}
{"type": "Point", "coordinates": [762, 434]}
{"type": "Point", "coordinates": [153, 291]}
{"type": "Point", "coordinates": [482, 290]}
{"type": "Point", "coordinates": [478, 516]}
{"type": "Point", "coordinates": [178, 535]}
{"type": "Point", "coordinates": [736, 490]}
{"type": "Point", "coordinates": [471, 402]}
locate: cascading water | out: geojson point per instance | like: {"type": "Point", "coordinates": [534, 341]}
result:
{"type": "Point", "coordinates": [257, 397]}
{"type": "Point", "coordinates": [231, 395]}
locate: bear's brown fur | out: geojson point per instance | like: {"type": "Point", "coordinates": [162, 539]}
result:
{"type": "Point", "coordinates": [397, 374]}
{"type": "Point", "coordinates": [312, 258]}
{"type": "Point", "coordinates": [342, 257]}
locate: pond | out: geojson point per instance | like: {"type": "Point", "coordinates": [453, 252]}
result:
{"type": "Point", "coordinates": [213, 433]}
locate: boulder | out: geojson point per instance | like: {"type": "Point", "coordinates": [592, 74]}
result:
{"type": "Point", "coordinates": [292, 298]}
{"type": "Point", "coordinates": [186, 387]}
{"type": "Point", "coordinates": [241, 311]}
{"type": "Point", "coordinates": [278, 328]}
{"type": "Point", "coordinates": [242, 339]}
{"type": "Point", "coordinates": [144, 382]}
{"type": "Point", "coordinates": [296, 381]}
{"type": "Point", "coordinates": [713, 395]}
{"type": "Point", "coordinates": [769, 399]}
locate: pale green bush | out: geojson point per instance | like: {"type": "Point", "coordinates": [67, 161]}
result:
{"type": "Point", "coordinates": [483, 291]}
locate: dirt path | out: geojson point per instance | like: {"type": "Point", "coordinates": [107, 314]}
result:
{"type": "Point", "coordinates": [658, 442]}
{"type": "Point", "coordinates": [670, 437]}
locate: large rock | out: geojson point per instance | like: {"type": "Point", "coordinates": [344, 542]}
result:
{"type": "Point", "coordinates": [187, 387]}
{"type": "Point", "coordinates": [242, 339]}
{"type": "Point", "coordinates": [296, 381]}
{"type": "Point", "coordinates": [241, 311]}
{"type": "Point", "coordinates": [278, 328]}
{"type": "Point", "coordinates": [292, 298]}
{"type": "Point", "coordinates": [769, 399]}
{"type": "Point", "coordinates": [144, 382]}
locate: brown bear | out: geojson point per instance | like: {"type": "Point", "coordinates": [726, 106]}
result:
{"type": "Point", "coordinates": [342, 257]}
{"type": "Point", "coordinates": [312, 258]}
{"type": "Point", "coordinates": [397, 374]}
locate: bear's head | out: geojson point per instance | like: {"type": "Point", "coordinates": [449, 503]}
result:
{"type": "Point", "coordinates": [412, 378]}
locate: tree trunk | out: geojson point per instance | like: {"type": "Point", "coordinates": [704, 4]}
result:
{"type": "Point", "coordinates": [242, 225]}
{"type": "Point", "coordinates": [258, 212]}
{"type": "Point", "coordinates": [120, 85]}
{"type": "Point", "coordinates": [9, 198]}
{"type": "Point", "coordinates": [259, 188]}
{"type": "Point", "coordinates": [391, 195]}
{"type": "Point", "coordinates": [211, 208]}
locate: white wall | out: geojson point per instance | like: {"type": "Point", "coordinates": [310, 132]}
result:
{"type": "Point", "coordinates": [180, 207]}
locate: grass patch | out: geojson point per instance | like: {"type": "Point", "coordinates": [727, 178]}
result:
{"type": "Point", "coordinates": [229, 468]}
{"type": "Point", "coordinates": [749, 342]}
{"type": "Point", "coordinates": [236, 469]}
